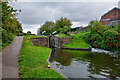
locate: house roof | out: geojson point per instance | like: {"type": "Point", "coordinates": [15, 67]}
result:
{"type": "Point", "coordinates": [111, 10]}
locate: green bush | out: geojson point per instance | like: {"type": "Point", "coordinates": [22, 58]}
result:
{"type": "Point", "coordinates": [110, 38]}
{"type": "Point", "coordinates": [10, 25]}
{"type": "Point", "coordinates": [106, 37]}
{"type": "Point", "coordinates": [7, 37]}
{"type": "Point", "coordinates": [4, 36]}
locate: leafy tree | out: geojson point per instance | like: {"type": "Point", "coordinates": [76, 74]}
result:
{"type": "Point", "coordinates": [19, 28]}
{"type": "Point", "coordinates": [96, 27]}
{"type": "Point", "coordinates": [10, 25]}
{"type": "Point", "coordinates": [61, 26]}
{"type": "Point", "coordinates": [61, 23]}
{"type": "Point", "coordinates": [29, 32]}
{"type": "Point", "coordinates": [65, 29]}
{"type": "Point", "coordinates": [48, 27]}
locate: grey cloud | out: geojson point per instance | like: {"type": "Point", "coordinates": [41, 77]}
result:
{"type": "Point", "coordinates": [39, 12]}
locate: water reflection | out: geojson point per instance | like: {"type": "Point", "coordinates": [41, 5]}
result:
{"type": "Point", "coordinates": [84, 64]}
{"type": "Point", "coordinates": [64, 58]}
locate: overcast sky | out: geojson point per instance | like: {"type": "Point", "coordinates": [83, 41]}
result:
{"type": "Point", "coordinates": [80, 12]}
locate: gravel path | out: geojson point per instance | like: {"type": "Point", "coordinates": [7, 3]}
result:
{"type": "Point", "coordinates": [10, 59]}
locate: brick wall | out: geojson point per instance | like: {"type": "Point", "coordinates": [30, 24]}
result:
{"type": "Point", "coordinates": [65, 40]}
{"type": "Point", "coordinates": [59, 41]}
{"type": "Point", "coordinates": [43, 41]}
{"type": "Point", "coordinates": [115, 12]}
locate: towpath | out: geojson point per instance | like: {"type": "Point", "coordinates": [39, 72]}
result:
{"type": "Point", "coordinates": [10, 57]}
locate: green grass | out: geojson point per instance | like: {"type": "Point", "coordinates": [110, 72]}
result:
{"type": "Point", "coordinates": [33, 61]}
{"type": "Point", "coordinates": [77, 41]}
{"type": "Point", "coordinates": [34, 36]}
{"type": "Point", "coordinates": [61, 35]}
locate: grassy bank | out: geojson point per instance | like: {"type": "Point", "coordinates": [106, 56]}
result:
{"type": "Point", "coordinates": [61, 35]}
{"type": "Point", "coordinates": [77, 41]}
{"type": "Point", "coordinates": [34, 36]}
{"type": "Point", "coordinates": [33, 61]}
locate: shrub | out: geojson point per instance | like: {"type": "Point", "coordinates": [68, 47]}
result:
{"type": "Point", "coordinates": [110, 38]}
{"type": "Point", "coordinates": [4, 36]}
{"type": "Point", "coordinates": [104, 37]}
{"type": "Point", "coordinates": [7, 37]}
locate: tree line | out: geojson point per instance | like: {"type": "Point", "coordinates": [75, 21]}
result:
{"type": "Point", "coordinates": [100, 36]}
{"type": "Point", "coordinates": [60, 26]}
{"type": "Point", "coordinates": [9, 22]}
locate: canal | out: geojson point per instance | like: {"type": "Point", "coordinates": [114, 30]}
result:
{"type": "Point", "coordinates": [86, 64]}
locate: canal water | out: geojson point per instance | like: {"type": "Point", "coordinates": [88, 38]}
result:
{"type": "Point", "coordinates": [86, 64]}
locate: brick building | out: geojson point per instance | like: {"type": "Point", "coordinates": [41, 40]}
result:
{"type": "Point", "coordinates": [112, 17]}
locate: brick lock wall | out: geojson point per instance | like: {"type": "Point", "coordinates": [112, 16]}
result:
{"type": "Point", "coordinates": [59, 41]}
{"type": "Point", "coordinates": [40, 41]}
{"type": "Point", "coordinates": [44, 41]}
{"type": "Point", "coordinates": [65, 40]}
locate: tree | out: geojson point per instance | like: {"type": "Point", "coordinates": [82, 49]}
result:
{"type": "Point", "coordinates": [60, 26]}
{"type": "Point", "coordinates": [29, 32]}
{"type": "Point", "coordinates": [61, 23]}
{"type": "Point", "coordinates": [65, 29]}
{"type": "Point", "coordinates": [96, 27]}
{"type": "Point", "coordinates": [48, 27]}
{"type": "Point", "coordinates": [10, 25]}
{"type": "Point", "coordinates": [19, 28]}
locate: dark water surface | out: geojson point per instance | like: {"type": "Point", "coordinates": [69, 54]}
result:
{"type": "Point", "coordinates": [86, 64]}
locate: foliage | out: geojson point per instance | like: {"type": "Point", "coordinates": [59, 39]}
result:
{"type": "Point", "coordinates": [48, 27]}
{"type": "Point", "coordinates": [96, 27]}
{"type": "Point", "coordinates": [33, 61]}
{"type": "Point", "coordinates": [110, 38]}
{"type": "Point", "coordinates": [61, 26]}
{"type": "Point", "coordinates": [28, 32]}
{"type": "Point", "coordinates": [61, 35]}
{"type": "Point", "coordinates": [10, 24]}
{"type": "Point", "coordinates": [64, 30]}
{"type": "Point", "coordinates": [106, 37]}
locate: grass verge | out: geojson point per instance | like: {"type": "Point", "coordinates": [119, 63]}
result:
{"type": "Point", "coordinates": [77, 41]}
{"type": "Point", "coordinates": [35, 36]}
{"type": "Point", "coordinates": [33, 61]}
{"type": "Point", "coordinates": [61, 35]}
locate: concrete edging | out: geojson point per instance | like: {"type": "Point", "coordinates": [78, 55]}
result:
{"type": "Point", "coordinates": [80, 49]}
{"type": "Point", "coordinates": [51, 66]}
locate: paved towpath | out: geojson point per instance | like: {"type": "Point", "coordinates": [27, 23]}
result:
{"type": "Point", "coordinates": [10, 59]}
